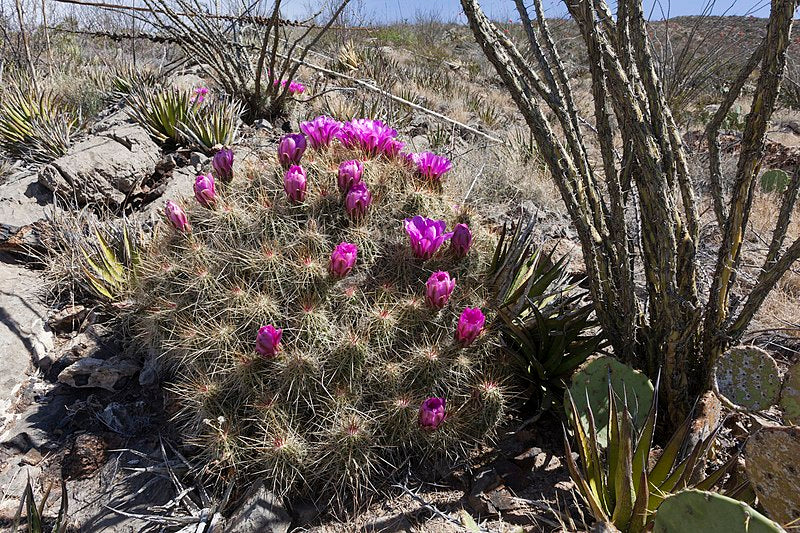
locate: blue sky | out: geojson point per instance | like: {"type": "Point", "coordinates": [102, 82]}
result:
{"type": "Point", "coordinates": [450, 10]}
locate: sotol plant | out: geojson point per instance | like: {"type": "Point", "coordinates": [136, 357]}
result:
{"type": "Point", "coordinates": [316, 326]}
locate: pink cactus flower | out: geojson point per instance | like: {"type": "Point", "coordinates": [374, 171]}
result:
{"type": "Point", "coordinates": [357, 201]}
{"type": "Point", "coordinates": [222, 164]}
{"type": "Point", "coordinates": [295, 87]}
{"type": "Point", "coordinates": [470, 325]}
{"type": "Point", "coordinates": [431, 166]}
{"type": "Point", "coordinates": [204, 190]}
{"type": "Point", "coordinates": [177, 217]}
{"type": "Point", "coordinates": [461, 240]}
{"type": "Point", "coordinates": [321, 131]}
{"type": "Point", "coordinates": [371, 136]}
{"type": "Point", "coordinates": [294, 183]}
{"type": "Point", "coordinates": [438, 289]}
{"type": "Point", "coordinates": [200, 94]}
{"type": "Point", "coordinates": [343, 259]}
{"type": "Point", "coordinates": [426, 235]}
{"type": "Point", "coordinates": [350, 173]}
{"type": "Point", "coordinates": [432, 413]}
{"type": "Point", "coordinates": [268, 341]}
{"type": "Point", "coordinates": [291, 149]}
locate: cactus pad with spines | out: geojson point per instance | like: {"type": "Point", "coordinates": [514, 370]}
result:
{"type": "Point", "coordinates": [590, 385]}
{"type": "Point", "coordinates": [709, 512]}
{"type": "Point", "coordinates": [790, 395]}
{"type": "Point", "coordinates": [748, 378]}
{"type": "Point", "coordinates": [771, 461]}
{"type": "Point", "coordinates": [774, 181]}
{"type": "Point", "coordinates": [335, 410]}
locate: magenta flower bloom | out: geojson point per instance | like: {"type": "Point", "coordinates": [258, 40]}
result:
{"type": "Point", "coordinates": [204, 190]}
{"type": "Point", "coordinates": [461, 240]}
{"type": "Point", "coordinates": [294, 183]}
{"type": "Point", "coordinates": [222, 164]}
{"type": "Point", "coordinates": [350, 173]}
{"type": "Point", "coordinates": [268, 340]}
{"type": "Point", "coordinates": [357, 201]}
{"type": "Point", "coordinates": [295, 87]}
{"type": "Point", "coordinates": [426, 235]}
{"type": "Point", "coordinates": [432, 413]}
{"type": "Point", "coordinates": [438, 289]}
{"type": "Point", "coordinates": [199, 95]}
{"type": "Point", "coordinates": [431, 166]}
{"type": "Point", "coordinates": [371, 136]}
{"type": "Point", "coordinates": [291, 149]}
{"type": "Point", "coordinates": [321, 131]}
{"type": "Point", "coordinates": [343, 259]}
{"type": "Point", "coordinates": [177, 217]}
{"type": "Point", "coordinates": [470, 325]}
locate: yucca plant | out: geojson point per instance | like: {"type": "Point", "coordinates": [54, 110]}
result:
{"type": "Point", "coordinates": [33, 512]}
{"type": "Point", "coordinates": [618, 483]}
{"type": "Point", "coordinates": [162, 112]}
{"type": "Point", "coordinates": [212, 124]}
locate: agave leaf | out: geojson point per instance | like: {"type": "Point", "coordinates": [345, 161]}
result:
{"type": "Point", "coordinates": [623, 482]}
{"type": "Point", "coordinates": [112, 264]}
{"type": "Point", "coordinates": [715, 477]}
{"type": "Point", "coordinates": [639, 514]}
{"type": "Point", "coordinates": [98, 285]}
{"type": "Point", "coordinates": [33, 515]}
{"type": "Point", "coordinates": [645, 441]}
{"type": "Point", "coordinates": [669, 456]}
{"type": "Point", "coordinates": [592, 499]}
{"type": "Point", "coordinates": [63, 511]}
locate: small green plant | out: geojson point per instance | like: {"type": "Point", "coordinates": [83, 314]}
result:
{"type": "Point", "coordinates": [34, 125]}
{"type": "Point", "coordinates": [162, 112]}
{"type": "Point", "coordinates": [33, 512]}
{"type": "Point", "coordinates": [618, 481]}
{"type": "Point", "coordinates": [110, 262]}
{"type": "Point", "coordinates": [212, 124]}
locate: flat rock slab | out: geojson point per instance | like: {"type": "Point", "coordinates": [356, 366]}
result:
{"type": "Point", "coordinates": [24, 336]}
{"type": "Point", "coordinates": [23, 200]}
{"type": "Point", "coordinates": [104, 169]}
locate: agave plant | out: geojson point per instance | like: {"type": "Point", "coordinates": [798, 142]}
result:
{"type": "Point", "coordinates": [109, 262]}
{"type": "Point", "coordinates": [34, 125]}
{"type": "Point", "coordinates": [33, 512]}
{"type": "Point", "coordinates": [212, 124]}
{"type": "Point", "coordinates": [162, 112]}
{"type": "Point", "coordinates": [618, 483]}
{"type": "Point", "coordinates": [544, 323]}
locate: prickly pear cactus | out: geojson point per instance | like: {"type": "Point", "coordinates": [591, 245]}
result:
{"type": "Point", "coordinates": [311, 334]}
{"type": "Point", "coordinates": [774, 181]}
{"type": "Point", "coordinates": [590, 388]}
{"type": "Point", "coordinates": [748, 378]}
{"type": "Point", "coordinates": [709, 512]}
{"type": "Point", "coordinates": [771, 461]}
{"type": "Point", "coordinates": [790, 395]}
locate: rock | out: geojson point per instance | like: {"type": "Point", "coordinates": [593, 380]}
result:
{"type": "Point", "coordinates": [24, 337]}
{"type": "Point", "coordinates": [261, 511]}
{"type": "Point", "coordinates": [103, 169]}
{"type": "Point", "coordinates": [67, 319]}
{"type": "Point", "coordinates": [179, 185]}
{"type": "Point", "coordinates": [148, 376]}
{"type": "Point", "coordinates": [111, 374]}
{"type": "Point", "coordinates": [484, 482]}
{"type": "Point", "coordinates": [113, 119]}
{"type": "Point", "coordinates": [187, 81]}
{"type": "Point", "coordinates": [87, 455]}
{"type": "Point", "coordinates": [23, 200]}
{"type": "Point", "coordinates": [198, 159]}
{"type": "Point", "coordinates": [263, 124]}
{"type": "Point", "coordinates": [42, 422]}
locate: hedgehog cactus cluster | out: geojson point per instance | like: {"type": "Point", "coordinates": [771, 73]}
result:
{"type": "Point", "coordinates": [325, 321]}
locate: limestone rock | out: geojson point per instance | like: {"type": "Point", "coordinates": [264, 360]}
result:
{"type": "Point", "coordinates": [261, 511]}
{"type": "Point", "coordinates": [110, 374]}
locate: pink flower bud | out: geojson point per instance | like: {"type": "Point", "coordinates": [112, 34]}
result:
{"type": "Point", "coordinates": [294, 183]}
{"type": "Point", "coordinates": [291, 149]}
{"type": "Point", "coordinates": [343, 259]}
{"type": "Point", "coordinates": [350, 173]}
{"type": "Point", "coordinates": [470, 325]}
{"type": "Point", "coordinates": [461, 240]}
{"type": "Point", "coordinates": [268, 340]}
{"type": "Point", "coordinates": [204, 190]}
{"type": "Point", "coordinates": [222, 163]}
{"type": "Point", "coordinates": [177, 217]}
{"type": "Point", "coordinates": [438, 289]}
{"type": "Point", "coordinates": [357, 201]}
{"type": "Point", "coordinates": [432, 413]}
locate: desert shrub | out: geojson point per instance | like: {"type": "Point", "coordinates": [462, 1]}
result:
{"type": "Point", "coordinates": [34, 125]}
{"type": "Point", "coordinates": [338, 405]}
